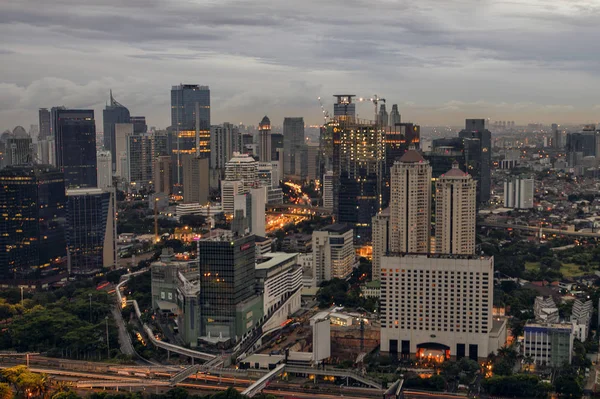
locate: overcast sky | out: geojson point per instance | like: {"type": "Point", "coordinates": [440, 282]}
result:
{"type": "Point", "coordinates": [440, 60]}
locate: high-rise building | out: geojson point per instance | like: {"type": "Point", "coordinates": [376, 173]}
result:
{"type": "Point", "coordinates": [90, 230]}
{"type": "Point", "coordinates": [268, 177]}
{"type": "Point", "coordinates": [229, 305]}
{"type": "Point", "coordinates": [548, 344]}
{"type": "Point", "coordinates": [344, 109]}
{"type": "Point", "coordinates": [45, 124]}
{"type": "Point", "coordinates": [333, 252]}
{"type": "Point", "coordinates": [581, 144]}
{"type": "Point", "coordinates": [253, 206]}
{"type": "Point", "coordinates": [244, 168]}
{"type": "Point", "coordinates": [75, 138]}
{"type": "Point", "coordinates": [395, 115]}
{"type": "Point", "coordinates": [139, 124]}
{"type": "Point", "coordinates": [294, 149]}
{"type": "Point", "coordinates": [410, 204]}
{"type": "Point", "coordinates": [190, 125]}
{"type": "Point", "coordinates": [382, 118]}
{"type": "Point", "coordinates": [225, 139]}
{"type": "Point", "coordinates": [276, 143]}
{"type": "Point", "coordinates": [264, 140]}
{"type": "Point", "coordinates": [113, 113]}
{"type": "Point", "coordinates": [104, 170]}
{"type": "Point", "coordinates": [312, 162]}
{"type": "Point", "coordinates": [17, 147]}
{"type": "Point", "coordinates": [195, 180]}
{"type": "Point", "coordinates": [121, 141]}
{"type": "Point", "coordinates": [518, 193]}
{"type": "Point", "coordinates": [163, 171]}
{"type": "Point", "coordinates": [556, 137]}
{"type": "Point", "coordinates": [398, 139]}
{"type": "Point", "coordinates": [328, 190]}
{"type": "Point", "coordinates": [437, 306]}
{"type": "Point", "coordinates": [139, 160]}
{"type": "Point", "coordinates": [443, 155]}
{"type": "Point", "coordinates": [480, 163]}
{"type": "Point", "coordinates": [358, 173]}
{"type": "Point", "coordinates": [32, 236]}
{"type": "Point", "coordinates": [380, 240]}
{"type": "Point", "coordinates": [229, 189]}
{"type": "Point", "coordinates": [46, 151]}
{"type": "Point", "coordinates": [455, 213]}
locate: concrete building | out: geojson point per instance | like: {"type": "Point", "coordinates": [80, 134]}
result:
{"type": "Point", "coordinates": [195, 179]}
{"type": "Point", "coordinates": [122, 132]}
{"type": "Point", "coordinates": [44, 124]}
{"type": "Point", "coordinates": [382, 117]}
{"type": "Point", "coordinates": [225, 139]}
{"type": "Point", "coordinates": [90, 231]}
{"type": "Point", "coordinates": [333, 252]}
{"type": "Point", "coordinates": [437, 306]}
{"type": "Point", "coordinates": [518, 193]}
{"type": "Point", "coordinates": [268, 177]}
{"type": "Point", "coordinates": [229, 189]}
{"type": "Point", "coordinates": [308, 272]}
{"type": "Point", "coordinates": [545, 310]}
{"type": "Point", "coordinates": [163, 171]}
{"type": "Point", "coordinates": [113, 114]}
{"type": "Point", "coordinates": [328, 190]}
{"type": "Point", "coordinates": [279, 278]}
{"type": "Point", "coordinates": [548, 344]}
{"type": "Point", "coordinates": [478, 139]}
{"type": "Point", "coordinates": [17, 147]}
{"type": "Point", "coordinates": [410, 204]}
{"type": "Point", "coordinates": [294, 149]}
{"type": "Point", "coordinates": [264, 140]}
{"type": "Point", "coordinates": [380, 237]}
{"type": "Point", "coordinates": [104, 170]}
{"type": "Point", "coordinates": [263, 246]}
{"type": "Point", "coordinates": [253, 206]}
{"type": "Point", "coordinates": [395, 115]}
{"type": "Point", "coordinates": [242, 167]}
{"type": "Point", "coordinates": [312, 161]}
{"type": "Point", "coordinates": [139, 161]}
{"type": "Point", "coordinates": [455, 212]}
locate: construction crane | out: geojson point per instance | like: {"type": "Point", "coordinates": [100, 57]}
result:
{"type": "Point", "coordinates": [375, 100]}
{"type": "Point", "coordinates": [325, 112]}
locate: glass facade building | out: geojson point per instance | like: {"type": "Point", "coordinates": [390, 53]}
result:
{"type": "Point", "coordinates": [75, 140]}
{"type": "Point", "coordinates": [32, 220]}
{"type": "Point", "coordinates": [114, 113]}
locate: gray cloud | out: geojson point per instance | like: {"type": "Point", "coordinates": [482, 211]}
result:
{"type": "Point", "coordinates": [441, 60]}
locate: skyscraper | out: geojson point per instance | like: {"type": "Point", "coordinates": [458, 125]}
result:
{"type": "Point", "coordinates": [75, 139]}
{"type": "Point", "coordinates": [32, 236]}
{"type": "Point", "coordinates": [382, 118]}
{"type": "Point", "coordinates": [518, 193]}
{"type": "Point", "coordinates": [195, 180]}
{"type": "Point", "coordinates": [276, 143]}
{"type": "Point", "coordinates": [328, 190]}
{"type": "Point", "coordinates": [113, 113]}
{"type": "Point", "coordinates": [225, 139]}
{"type": "Point", "coordinates": [18, 148]}
{"type": "Point", "coordinates": [357, 169]}
{"type": "Point", "coordinates": [242, 167]}
{"type": "Point", "coordinates": [333, 252]}
{"type": "Point", "coordinates": [398, 138]}
{"type": "Point", "coordinates": [380, 240]}
{"type": "Point", "coordinates": [480, 163]}
{"type": "Point", "coordinates": [45, 124]}
{"type": "Point", "coordinates": [264, 140]}
{"type": "Point", "coordinates": [253, 206]}
{"type": "Point", "coordinates": [395, 115]}
{"type": "Point", "coordinates": [410, 204]}
{"type": "Point", "coordinates": [139, 124]}
{"type": "Point", "coordinates": [344, 109]}
{"type": "Point", "coordinates": [140, 157]}
{"type": "Point", "coordinates": [120, 142]}
{"type": "Point", "coordinates": [294, 149]}
{"type": "Point", "coordinates": [556, 137]}
{"type": "Point", "coordinates": [162, 174]}
{"type": "Point", "coordinates": [104, 171]}
{"type": "Point", "coordinates": [455, 212]}
{"type": "Point", "coordinates": [90, 230]}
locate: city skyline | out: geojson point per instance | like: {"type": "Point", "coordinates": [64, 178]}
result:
{"type": "Point", "coordinates": [532, 61]}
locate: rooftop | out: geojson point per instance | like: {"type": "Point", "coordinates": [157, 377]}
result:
{"type": "Point", "coordinates": [276, 259]}
{"type": "Point", "coordinates": [455, 171]}
{"type": "Point", "coordinates": [85, 191]}
{"type": "Point", "coordinates": [337, 228]}
{"type": "Point", "coordinates": [412, 156]}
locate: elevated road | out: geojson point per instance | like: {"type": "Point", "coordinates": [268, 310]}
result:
{"type": "Point", "coordinates": [537, 229]}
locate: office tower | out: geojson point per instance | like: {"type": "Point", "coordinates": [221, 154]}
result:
{"type": "Point", "coordinates": [163, 171]}
{"type": "Point", "coordinates": [139, 124]}
{"type": "Point", "coordinates": [104, 170]}
{"type": "Point", "coordinates": [437, 306]}
{"type": "Point", "coordinates": [268, 177]}
{"type": "Point", "coordinates": [140, 155]}
{"type": "Point", "coordinates": [294, 149]}
{"type": "Point", "coordinates": [582, 144]}
{"type": "Point", "coordinates": [195, 180]}
{"type": "Point", "coordinates": [46, 154]}
{"type": "Point", "coordinates": [518, 193]}
{"type": "Point", "coordinates": [253, 206]}
{"type": "Point", "coordinates": [190, 111]}
{"type": "Point", "coordinates": [357, 170]}
{"type": "Point", "coordinates": [328, 190]}
{"type": "Point", "coordinates": [455, 213]}
{"type": "Point", "coordinates": [333, 252]}
{"type": "Point", "coordinates": [32, 233]}
{"type": "Point", "coordinates": [229, 306]}
{"type": "Point", "coordinates": [45, 124]}
{"type": "Point", "coordinates": [410, 204]}
{"type": "Point", "coordinates": [398, 139]}
{"type": "Point", "coordinates": [120, 140]}
{"type": "Point", "coordinates": [344, 109]}
{"type": "Point", "coordinates": [229, 189]}
{"type": "Point", "coordinates": [380, 240]}
{"type": "Point", "coordinates": [312, 161]}
{"type": "Point", "coordinates": [276, 143]}
{"type": "Point", "coordinates": [113, 113]}
{"type": "Point", "coordinates": [75, 139]}
{"type": "Point", "coordinates": [244, 168]}
{"type": "Point", "coordinates": [225, 139]}
{"type": "Point", "coordinates": [17, 147]}
{"type": "Point", "coordinates": [444, 153]}
{"type": "Point", "coordinates": [395, 115]}
{"type": "Point", "coordinates": [264, 140]}
{"type": "Point", "coordinates": [480, 164]}
{"type": "Point", "coordinates": [90, 230]}
{"type": "Point", "coordinates": [549, 345]}
{"type": "Point", "coordinates": [382, 117]}
{"type": "Point", "coordinates": [556, 137]}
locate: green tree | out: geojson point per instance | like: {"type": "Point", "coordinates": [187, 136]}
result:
{"type": "Point", "coordinates": [568, 386]}
{"type": "Point", "coordinates": [5, 391]}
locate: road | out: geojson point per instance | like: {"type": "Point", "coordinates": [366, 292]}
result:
{"type": "Point", "coordinates": [124, 338]}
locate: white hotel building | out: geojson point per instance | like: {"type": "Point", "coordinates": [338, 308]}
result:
{"type": "Point", "coordinates": [439, 306]}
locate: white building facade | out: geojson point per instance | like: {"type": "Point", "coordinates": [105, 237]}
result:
{"type": "Point", "coordinates": [333, 252]}
{"type": "Point", "coordinates": [518, 193]}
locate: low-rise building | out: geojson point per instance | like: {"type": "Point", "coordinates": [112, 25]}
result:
{"type": "Point", "coordinates": [548, 344]}
{"type": "Point", "coordinates": [372, 289]}
{"type": "Point", "coordinates": [297, 243]}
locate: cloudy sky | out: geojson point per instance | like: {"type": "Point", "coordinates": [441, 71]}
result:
{"type": "Point", "coordinates": [440, 60]}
